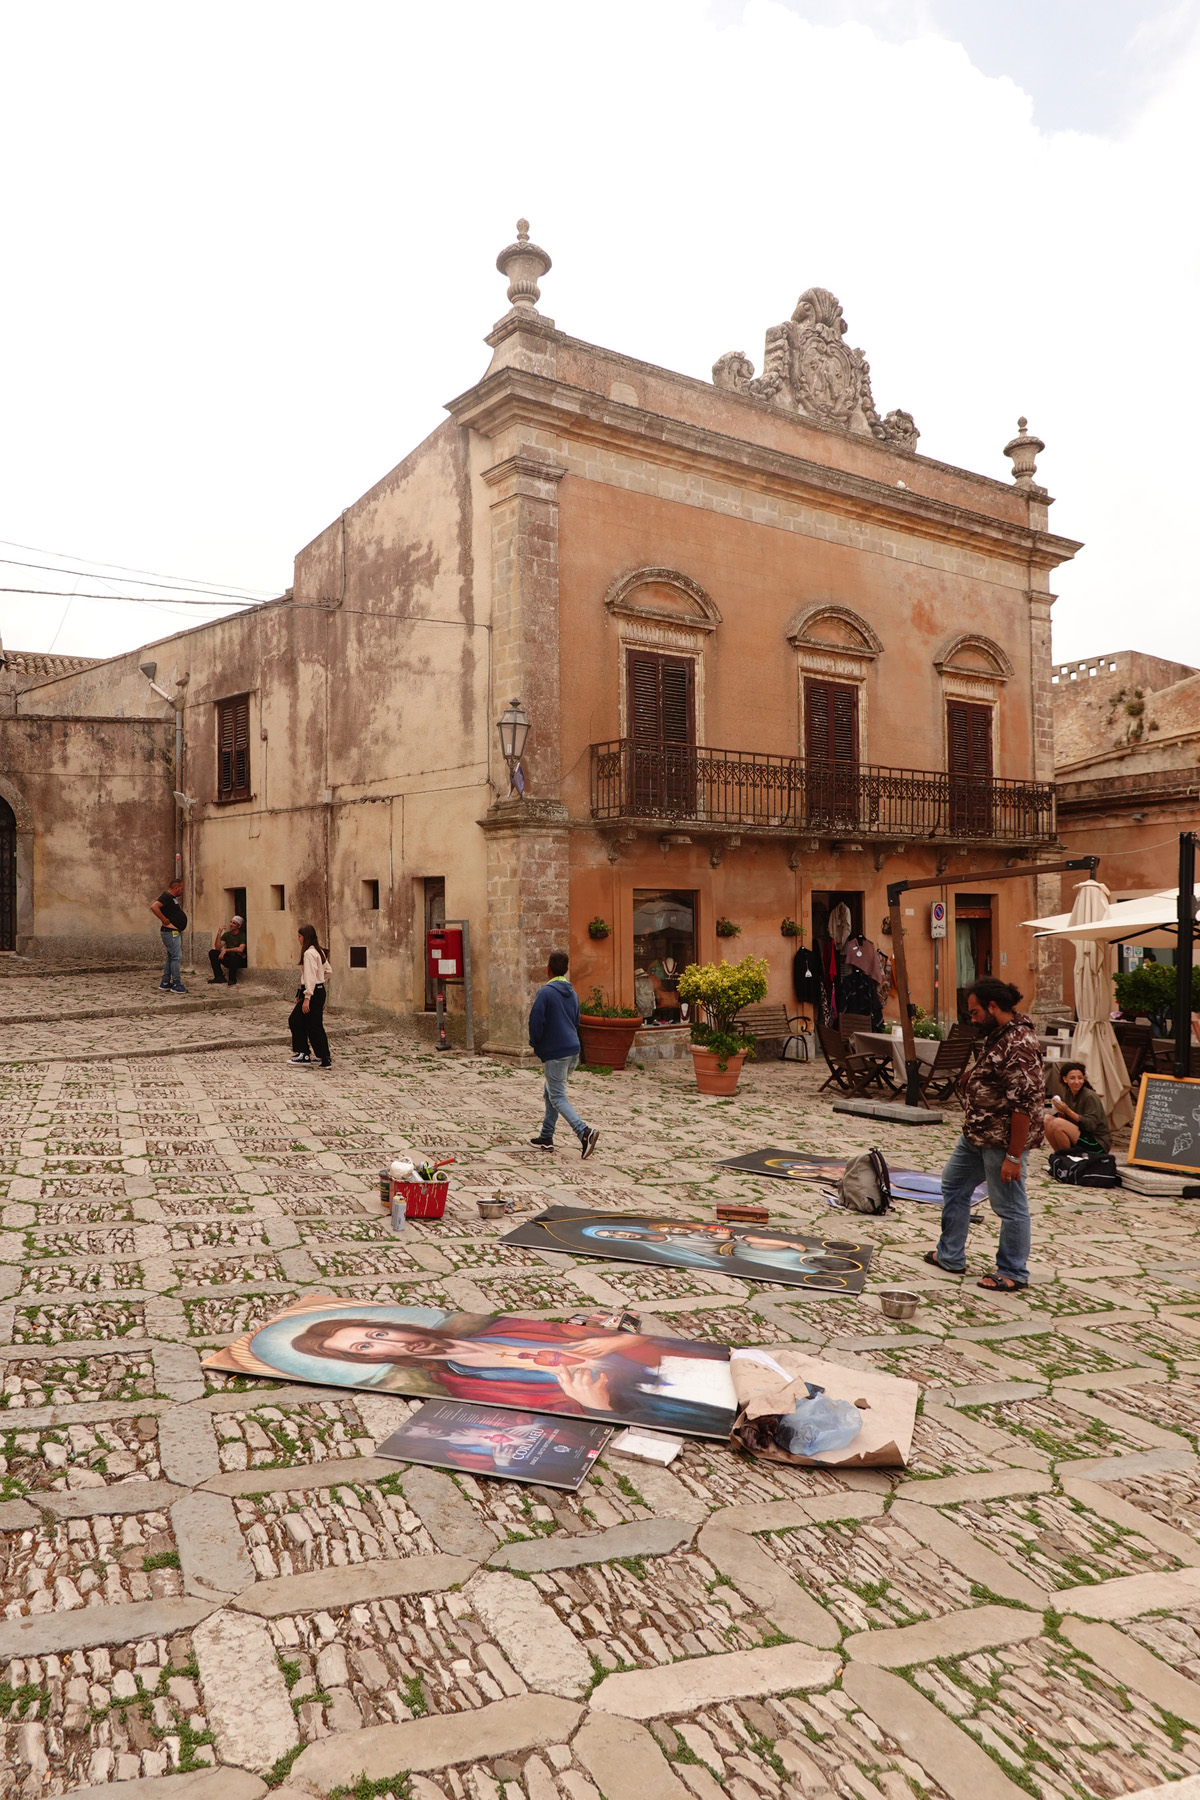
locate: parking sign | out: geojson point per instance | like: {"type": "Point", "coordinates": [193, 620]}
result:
{"type": "Point", "coordinates": [937, 919]}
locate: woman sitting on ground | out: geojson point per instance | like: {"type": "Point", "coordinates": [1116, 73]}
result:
{"type": "Point", "coordinates": [1079, 1121]}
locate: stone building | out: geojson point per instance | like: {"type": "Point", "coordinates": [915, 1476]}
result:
{"type": "Point", "coordinates": [771, 655]}
{"type": "Point", "coordinates": [1127, 765]}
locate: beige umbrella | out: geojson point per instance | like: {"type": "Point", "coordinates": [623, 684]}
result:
{"type": "Point", "coordinates": [1095, 1044]}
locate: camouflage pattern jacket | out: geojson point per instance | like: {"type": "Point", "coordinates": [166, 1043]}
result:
{"type": "Point", "coordinates": [1006, 1078]}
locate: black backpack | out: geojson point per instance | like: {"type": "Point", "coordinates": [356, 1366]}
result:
{"type": "Point", "coordinates": [1076, 1169]}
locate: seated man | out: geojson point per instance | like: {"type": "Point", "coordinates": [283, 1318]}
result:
{"type": "Point", "coordinates": [228, 953]}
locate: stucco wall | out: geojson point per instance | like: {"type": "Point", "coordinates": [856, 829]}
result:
{"type": "Point", "coordinates": [95, 824]}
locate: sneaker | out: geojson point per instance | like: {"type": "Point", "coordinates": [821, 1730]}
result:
{"type": "Point", "coordinates": [543, 1143]}
{"type": "Point", "coordinates": [590, 1142]}
{"type": "Point", "coordinates": [178, 990]}
{"type": "Point", "coordinates": [327, 1065]}
{"type": "Point", "coordinates": [304, 1058]}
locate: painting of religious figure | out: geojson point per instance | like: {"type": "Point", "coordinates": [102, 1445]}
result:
{"type": "Point", "coordinates": [756, 1252]}
{"type": "Point", "coordinates": [589, 1367]}
{"type": "Point", "coordinates": [488, 1440]}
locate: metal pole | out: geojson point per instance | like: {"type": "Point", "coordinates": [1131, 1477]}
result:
{"type": "Point", "coordinates": [912, 1065]}
{"type": "Point", "coordinates": [442, 1042]}
{"type": "Point", "coordinates": [1186, 921]}
{"type": "Point", "coordinates": [470, 1016]}
{"type": "Point", "coordinates": [179, 784]}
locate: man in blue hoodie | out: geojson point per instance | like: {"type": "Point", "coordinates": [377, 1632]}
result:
{"type": "Point", "coordinates": [554, 1037]}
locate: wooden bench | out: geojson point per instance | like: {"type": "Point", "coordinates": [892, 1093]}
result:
{"type": "Point", "coordinates": [774, 1023]}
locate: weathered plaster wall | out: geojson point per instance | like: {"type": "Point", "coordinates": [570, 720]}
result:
{"type": "Point", "coordinates": [95, 825]}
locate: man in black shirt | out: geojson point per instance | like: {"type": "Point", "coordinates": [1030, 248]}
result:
{"type": "Point", "coordinates": [173, 922]}
{"type": "Point", "coordinates": [228, 953]}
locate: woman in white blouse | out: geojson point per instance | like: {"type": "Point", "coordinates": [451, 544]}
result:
{"type": "Point", "coordinates": [307, 1016]}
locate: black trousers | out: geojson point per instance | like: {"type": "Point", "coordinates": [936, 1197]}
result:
{"type": "Point", "coordinates": [226, 963]}
{"type": "Point", "coordinates": [308, 1028]}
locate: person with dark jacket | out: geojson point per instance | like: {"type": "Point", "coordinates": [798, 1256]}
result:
{"type": "Point", "coordinates": [1079, 1120]}
{"type": "Point", "coordinates": [554, 1039]}
{"type": "Point", "coordinates": [228, 953]}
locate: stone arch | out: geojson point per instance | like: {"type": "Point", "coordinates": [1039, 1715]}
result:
{"type": "Point", "coordinates": [666, 595]}
{"type": "Point", "coordinates": [21, 875]}
{"type": "Point", "coordinates": [830, 627]}
{"type": "Point", "coordinates": [970, 653]}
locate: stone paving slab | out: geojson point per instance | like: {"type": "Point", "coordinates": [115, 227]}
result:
{"type": "Point", "coordinates": [163, 1555]}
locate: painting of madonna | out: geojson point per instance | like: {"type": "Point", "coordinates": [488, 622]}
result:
{"type": "Point", "coordinates": [582, 1368]}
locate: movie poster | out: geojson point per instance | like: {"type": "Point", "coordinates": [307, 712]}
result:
{"type": "Point", "coordinates": [588, 1367]}
{"type": "Point", "coordinates": [755, 1252]}
{"type": "Point", "coordinates": [483, 1440]}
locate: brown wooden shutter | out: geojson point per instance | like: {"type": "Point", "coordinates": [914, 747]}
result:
{"type": "Point", "coordinates": [233, 749]}
{"type": "Point", "coordinates": [661, 699]}
{"type": "Point", "coordinates": [831, 722]}
{"type": "Point", "coordinates": [969, 739]}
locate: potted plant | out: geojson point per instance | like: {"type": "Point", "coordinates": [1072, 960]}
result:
{"type": "Point", "coordinates": [789, 928]}
{"type": "Point", "coordinates": [925, 1025]}
{"type": "Point", "coordinates": [727, 928]}
{"type": "Point", "coordinates": [599, 928]}
{"type": "Point", "coordinates": [720, 990]}
{"type": "Point", "coordinates": [606, 1033]}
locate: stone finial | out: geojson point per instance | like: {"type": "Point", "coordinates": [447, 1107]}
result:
{"type": "Point", "coordinates": [1024, 450]}
{"type": "Point", "coordinates": [524, 264]}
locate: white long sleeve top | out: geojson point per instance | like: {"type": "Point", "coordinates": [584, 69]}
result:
{"type": "Point", "coordinates": [314, 970]}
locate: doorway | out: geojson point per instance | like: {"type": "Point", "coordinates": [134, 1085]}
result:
{"type": "Point", "coordinates": [235, 903]}
{"type": "Point", "coordinates": [435, 916]}
{"type": "Point", "coordinates": [664, 943]}
{"type": "Point", "coordinates": [825, 902]}
{"type": "Point", "coordinates": [8, 877]}
{"type": "Point", "coordinates": [972, 944]}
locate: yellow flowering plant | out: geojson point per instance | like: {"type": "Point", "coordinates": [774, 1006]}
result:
{"type": "Point", "coordinates": [720, 990]}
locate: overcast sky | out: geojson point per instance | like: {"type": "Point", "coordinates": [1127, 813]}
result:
{"type": "Point", "coordinates": [249, 254]}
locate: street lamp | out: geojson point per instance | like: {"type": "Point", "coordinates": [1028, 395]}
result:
{"type": "Point", "coordinates": [514, 729]}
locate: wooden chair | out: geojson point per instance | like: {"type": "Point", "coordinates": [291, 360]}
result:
{"type": "Point", "coordinates": [772, 1021]}
{"type": "Point", "coordinates": [849, 1023]}
{"type": "Point", "coordinates": [848, 1072]}
{"type": "Point", "coordinates": [940, 1080]}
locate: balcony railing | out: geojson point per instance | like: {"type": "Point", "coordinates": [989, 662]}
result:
{"type": "Point", "coordinates": [693, 785]}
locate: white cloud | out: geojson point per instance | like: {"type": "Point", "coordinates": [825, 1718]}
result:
{"type": "Point", "coordinates": [251, 253]}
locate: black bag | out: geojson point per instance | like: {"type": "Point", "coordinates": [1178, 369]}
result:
{"type": "Point", "coordinates": [1076, 1169]}
{"type": "Point", "coordinates": [866, 1185]}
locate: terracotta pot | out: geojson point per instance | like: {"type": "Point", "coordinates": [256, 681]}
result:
{"type": "Point", "coordinates": [607, 1041]}
{"type": "Point", "coordinates": [710, 1077]}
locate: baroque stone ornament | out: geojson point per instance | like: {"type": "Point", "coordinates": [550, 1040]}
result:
{"type": "Point", "coordinates": [524, 264]}
{"type": "Point", "coordinates": [1024, 450]}
{"type": "Point", "coordinates": [808, 370]}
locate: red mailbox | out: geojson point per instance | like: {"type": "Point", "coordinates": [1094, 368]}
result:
{"type": "Point", "coordinates": [444, 953]}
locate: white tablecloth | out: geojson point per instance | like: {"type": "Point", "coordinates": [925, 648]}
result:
{"type": "Point", "coordinates": [926, 1048]}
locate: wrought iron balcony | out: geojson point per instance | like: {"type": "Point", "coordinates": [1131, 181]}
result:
{"type": "Point", "coordinates": [682, 784]}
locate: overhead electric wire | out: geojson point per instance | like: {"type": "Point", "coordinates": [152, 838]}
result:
{"type": "Point", "coordinates": [134, 599]}
{"type": "Point", "coordinates": [91, 575]}
{"type": "Point", "coordinates": [121, 568]}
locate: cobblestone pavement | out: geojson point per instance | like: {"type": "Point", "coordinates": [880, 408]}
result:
{"type": "Point", "coordinates": [213, 1586]}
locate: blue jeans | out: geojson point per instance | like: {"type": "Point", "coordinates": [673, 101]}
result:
{"type": "Point", "coordinates": [555, 1090]}
{"type": "Point", "coordinates": [173, 966]}
{"type": "Point", "coordinates": [970, 1164]}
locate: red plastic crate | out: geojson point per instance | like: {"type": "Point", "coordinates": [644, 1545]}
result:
{"type": "Point", "coordinates": [422, 1199]}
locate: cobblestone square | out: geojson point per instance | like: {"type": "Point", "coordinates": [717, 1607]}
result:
{"type": "Point", "coordinates": [1018, 1612]}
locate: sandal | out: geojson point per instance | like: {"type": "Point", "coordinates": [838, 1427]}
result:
{"type": "Point", "coordinates": [1001, 1284]}
{"type": "Point", "coordinates": [931, 1257]}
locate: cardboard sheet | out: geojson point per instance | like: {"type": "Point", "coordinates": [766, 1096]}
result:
{"type": "Point", "coordinates": [769, 1382]}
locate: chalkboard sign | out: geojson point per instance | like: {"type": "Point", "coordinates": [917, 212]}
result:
{"type": "Point", "coordinates": [1166, 1126]}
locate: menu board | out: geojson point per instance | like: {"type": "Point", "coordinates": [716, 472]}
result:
{"type": "Point", "coordinates": [1166, 1126]}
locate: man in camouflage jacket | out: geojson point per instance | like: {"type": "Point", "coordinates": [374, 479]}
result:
{"type": "Point", "coordinates": [1003, 1098]}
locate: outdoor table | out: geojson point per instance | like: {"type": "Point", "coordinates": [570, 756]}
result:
{"type": "Point", "coordinates": [1062, 1045]}
{"type": "Point", "coordinates": [875, 1041]}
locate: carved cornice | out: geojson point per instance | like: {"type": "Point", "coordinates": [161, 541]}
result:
{"type": "Point", "coordinates": [525, 815]}
{"type": "Point", "coordinates": [800, 632]}
{"type": "Point", "coordinates": [534, 477]}
{"type": "Point", "coordinates": [510, 398]}
{"type": "Point", "coordinates": [1001, 669]}
{"type": "Point", "coordinates": [620, 599]}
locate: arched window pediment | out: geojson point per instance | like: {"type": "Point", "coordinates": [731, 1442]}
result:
{"type": "Point", "coordinates": [666, 595]}
{"type": "Point", "coordinates": [972, 654]}
{"type": "Point", "coordinates": [829, 627]}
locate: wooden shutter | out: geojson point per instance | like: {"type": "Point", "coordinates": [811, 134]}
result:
{"type": "Point", "coordinates": [831, 722]}
{"type": "Point", "coordinates": [969, 739]}
{"type": "Point", "coordinates": [233, 749]}
{"type": "Point", "coordinates": [661, 703]}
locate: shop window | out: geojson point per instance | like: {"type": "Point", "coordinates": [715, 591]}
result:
{"type": "Point", "coordinates": [233, 748]}
{"type": "Point", "coordinates": [664, 943]}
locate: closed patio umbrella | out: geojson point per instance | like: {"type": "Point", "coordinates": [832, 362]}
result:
{"type": "Point", "coordinates": [1095, 1044]}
